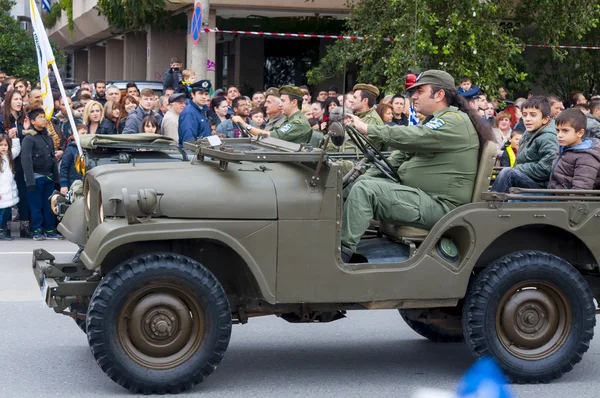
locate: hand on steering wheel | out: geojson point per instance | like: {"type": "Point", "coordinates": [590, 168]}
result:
{"type": "Point", "coordinates": [372, 154]}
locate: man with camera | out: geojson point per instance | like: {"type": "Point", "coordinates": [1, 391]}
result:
{"type": "Point", "coordinates": [172, 76]}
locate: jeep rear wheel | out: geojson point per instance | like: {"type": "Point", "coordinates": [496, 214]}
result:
{"type": "Point", "coordinates": [159, 323]}
{"type": "Point", "coordinates": [533, 313]}
{"type": "Point", "coordinates": [441, 325]}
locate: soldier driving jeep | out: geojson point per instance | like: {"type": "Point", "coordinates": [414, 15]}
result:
{"type": "Point", "coordinates": [435, 164]}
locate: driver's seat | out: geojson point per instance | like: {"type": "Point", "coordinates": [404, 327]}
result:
{"type": "Point", "coordinates": [482, 184]}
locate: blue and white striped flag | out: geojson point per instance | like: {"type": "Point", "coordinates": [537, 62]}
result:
{"type": "Point", "coordinates": [46, 5]}
{"type": "Point", "coordinates": [413, 119]}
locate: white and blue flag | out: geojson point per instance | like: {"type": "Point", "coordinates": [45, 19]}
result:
{"type": "Point", "coordinates": [413, 119]}
{"type": "Point", "coordinates": [46, 4]}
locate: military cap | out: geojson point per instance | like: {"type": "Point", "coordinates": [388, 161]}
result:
{"type": "Point", "coordinates": [434, 77]}
{"type": "Point", "coordinates": [291, 90]}
{"type": "Point", "coordinates": [177, 98]}
{"type": "Point", "coordinates": [471, 93]}
{"type": "Point", "coordinates": [274, 91]}
{"type": "Point", "coordinates": [201, 85]}
{"type": "Point", "coordinates": [369, 88]}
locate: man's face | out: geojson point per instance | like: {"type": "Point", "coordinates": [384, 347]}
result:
{"type": "Point", "coordinates": [422, 101]}
{"type": "Point", "coordinates": [40, 121]}
{"type": "Point", "coordinates": [22, 88]}
{"type": "Point", "coordinates": [289, 107]}
{"type": "Point", "coordinates": [100, 89]}
{"type": "Point", "coordinates": [322, 96]}
{"type": "Point", "coordinates": [133, 91]}
{"type": "Point", "coordinates": [87, 86]}
{"type": "Point", "coordinates": [533, 119]}
{"type": "Point", "coordinates": [306, 97]}
{"type": "Point", "coordinates": [398, 106]}
{"type": "Point", "coordinates": [163, 105]}
{"type": "Point", "coordinates": [178, 106]}
{"type": "Point", "coordinates": [63, 110]}
{"type": "Point", "coordinates": [113, 94]}
{"type": "Point", "coordinates": [146, 103]}
{"type": "Point", "coordinates": [232, 93]}
{"type": "Point", "coordinates": [556, 108]}
{"type": "Point", "coordinates": [272, 105]}
{"type": "Point", "coordinates": [359, 104]}
{"type": "Point", "coordinates": [466, 86]}
{"type": "Point", "coordinates": [349, 100]}
{"type": "Point", "coordinates": [169, 92]}
{"type": "Point", "coordinates": [35, 95]}
{"type": "Point", "coordinates": [2, 77]}
{"type": "Point", "coordinates": [200, 98]}
{"type": "Point", "coordinates": [242, 109]}
{"type": "Point", "coordinates": [332, 93]}
{"type": "Point", "coordinates": [503, 93]}
{"type": "Point", "coordinates": [258, 99]}
{"type": "Point", "coordinates": [175, 65]}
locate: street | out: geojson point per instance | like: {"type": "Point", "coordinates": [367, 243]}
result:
{"type": "Point", "coordinates": [368, 354]}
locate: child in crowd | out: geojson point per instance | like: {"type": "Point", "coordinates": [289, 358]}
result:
{"type": "Point", "coordinates": [257, 117]}
{"type": "Point", "coordinates": [509, 156]}
{"type": "Point", "coordinates": [536, 149]}
{"type": "Point", "coordinates": [466, 84]}
{"type": "Point", "coordinates": [41, 176]}
{"type": "Point", "coordinates": [578, 161]}
{"type": "Point", "coordinates": [188, 77]}
{"type": "Point", "coordinates": [67, 172]}
{"type": "Point", "coordinates": [9, 194]}
{"type": "Point", "coordinates": [149, 125]}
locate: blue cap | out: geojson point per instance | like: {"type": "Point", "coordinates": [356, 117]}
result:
{"type": "Point", "coordinates": [201, 85]}
{"type": "Point", "coordinates": [471, 93]}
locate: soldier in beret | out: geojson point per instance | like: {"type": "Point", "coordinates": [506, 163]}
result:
{"type": "Point", "coordinates": [193, 121]}
{"type": "Point", "coordinates": [363, 106]}
{"type": "Point", "coordinates": [295, 127]}
{"type": "Point", "coordinates": [436, 163]}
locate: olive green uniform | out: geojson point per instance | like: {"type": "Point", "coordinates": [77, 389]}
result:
{"type": "Point", "coordinates": [437, 164]}
{"type": "Point", "coordinates": [275, 123]}
{"type": "Point", "coordinates": [372, 118]}
{"type": "Point", "coordinates": [295, 129]}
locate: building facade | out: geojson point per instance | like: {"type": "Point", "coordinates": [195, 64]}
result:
{"type": "Point", "coordinates": [95, 51]}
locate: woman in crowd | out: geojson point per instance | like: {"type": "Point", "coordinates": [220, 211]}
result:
{"type": "Point", "coordinates": [218, 110]}
{"type": "Point", "coordinates": [12, 119]}
{"type": "Point", "coordinates": [515, 113]}
{"type": "Point", "coordinates": [93, 116]}
{"type": "Point", "coordinates": [330, 104]}
{"type": "Point", "coordinates": [111, 115]}
{"type": "Point", "coordinates": [502, 129]}
{"type": "Point", "coordinates": [386, 113]}
{"type": "Point", "coordinates": [128, 105]}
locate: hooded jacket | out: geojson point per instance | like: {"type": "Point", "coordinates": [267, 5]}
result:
{"type": "Point", "coordinates": [9, 194]}
{"type": "Point", "coordinates": [536, 153]}
{"type": "Point", "coordinates": [37, 156]}
{"type": "Point", "coordinates": [576, 167]}
{"type": "Point", "coordinates": [592, 129]}
{"type": "Point", "coordinates": [68, 173]}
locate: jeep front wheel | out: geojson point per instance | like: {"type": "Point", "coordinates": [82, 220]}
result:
{"type": "Point", "coordinates": [159, 323]}
{"type": "Point", "coordinates": [533, 313]}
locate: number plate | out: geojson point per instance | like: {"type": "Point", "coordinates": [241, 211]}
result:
{"type": "Point", "coordinates": [44, 289]}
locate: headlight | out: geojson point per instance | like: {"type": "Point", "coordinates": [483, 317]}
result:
{"type": "Point", "coordinates": [88, 205]}
{"type": "Point", "coordinates": [100, 209]}
{"type": "Point", "coordinates": [80, 164]}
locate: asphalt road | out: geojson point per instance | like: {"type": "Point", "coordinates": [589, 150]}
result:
{"type": "Point", "coordinates": [368, 354]}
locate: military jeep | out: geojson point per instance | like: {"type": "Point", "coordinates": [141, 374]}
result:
{"type": "Point", "coordinates": [175, 253]}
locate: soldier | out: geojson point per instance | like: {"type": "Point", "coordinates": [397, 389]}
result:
{"type": "Point", "coordinates": [363, 106]}
{"type": "Point", "coordinates": [436, 163]}
{"type": "Point", "coordinates": [275, 117]}
{"type": "Point", "coordinates": [296, 127]}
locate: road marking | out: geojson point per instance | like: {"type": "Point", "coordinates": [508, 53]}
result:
{"type": "Point", "coordinates": [31, 252]}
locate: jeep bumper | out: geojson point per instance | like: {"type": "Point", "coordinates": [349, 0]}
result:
{"type": "Point", "coordinates": [61, 283]}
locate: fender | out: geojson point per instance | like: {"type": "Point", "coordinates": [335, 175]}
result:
{"type": "Point", "coordinates": [237, 235]}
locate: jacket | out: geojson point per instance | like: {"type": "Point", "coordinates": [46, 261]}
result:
{"type": "Point", "coordinates": [4, 127]}
{"type": "Point", "coordinates": [106, 127]}
{"type": "Point", "coordinates": [229, 129]}
{"type": "Point", "coordinates": [576, 167]}
{"type": "Point", "coordinates": [67, 172]}
{"type": "Point", "coordinates": [439, 156]}
{"type": "Point", "coordinates": [193, 123]}
{"type": "Point", "coordinates": [592, 129]}
{"type": "Point", "coordinates": [133, 124]}
{"type": "Point", "coordinates": [37, 156]}
{"type": "Point", "coordinates": [536, 153]}
{"type": "Point", "coordinates": [9, 194]}
{"type": "Point", "coordinates": [170, 125]}
{"type": "Point", "coordinates": [171, 79]}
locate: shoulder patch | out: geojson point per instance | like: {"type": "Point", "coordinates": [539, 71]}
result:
{"type": "Point", "coordinates": [435, 124]}
{"type": "Point", "coordinates": [285, 128]}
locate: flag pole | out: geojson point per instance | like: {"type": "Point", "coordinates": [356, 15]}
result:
{"type": "Point", "coordinates": [63, 96]}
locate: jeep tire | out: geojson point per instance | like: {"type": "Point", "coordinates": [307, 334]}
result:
{"type": "Point", "coordinates": [159, 323]}
{"type": "Point", "coordinates": [533, 313]}
{"type": "Point", "coordinates": [440, 325]}
{"type": "Point", "coordinates": [79, 308]}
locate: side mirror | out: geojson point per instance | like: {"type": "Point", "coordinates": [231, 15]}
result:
{"type": "Point", "coordinates": [337, 133]}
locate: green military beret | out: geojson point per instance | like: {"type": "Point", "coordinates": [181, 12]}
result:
{"type": "Point", "coordinates": [434, 77]}
{"type": "Point", "coordinates": [369, 88]}
{"type": "Point", "coordinates": [291, 90]}
{"type": "Point", "coordinates": [274, 91]}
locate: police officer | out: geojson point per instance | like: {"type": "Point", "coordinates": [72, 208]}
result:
{"type": "Point", "coordinates": [193, 121]}
{"type": "Point", "coordinates": [295, 127]}
{"type": "Point", "coordinates": [436, 162]}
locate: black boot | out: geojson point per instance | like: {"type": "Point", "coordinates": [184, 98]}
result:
{"type": "Point", "coordinates": [4, 235]}
{"type": "Point", "coordinates": [26, 230]}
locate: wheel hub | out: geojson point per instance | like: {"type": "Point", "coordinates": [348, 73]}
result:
{"type": "Point", "coordinates": [161, 323]}
{"type": "Point", "coordinates": [533, 320]}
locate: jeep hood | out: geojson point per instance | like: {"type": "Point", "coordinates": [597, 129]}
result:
{"type": "Point", "coordinates": [191, 190]}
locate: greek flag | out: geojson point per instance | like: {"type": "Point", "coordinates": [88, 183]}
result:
{"type": "Point", "coordinates": [45, 58]}
{"type": "Point", "coordinates": [46, 5]}
{"type": "Point", "coordinates": [413, 119]}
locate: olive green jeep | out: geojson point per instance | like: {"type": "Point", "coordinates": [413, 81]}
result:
{"type": "Point", "coordinates": [175, 253]}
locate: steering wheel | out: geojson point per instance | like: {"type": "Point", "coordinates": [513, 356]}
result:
{"type": "Point", "coordinates": [372, 154]}
{"type": "Point", "coordinates": [244, 131]}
